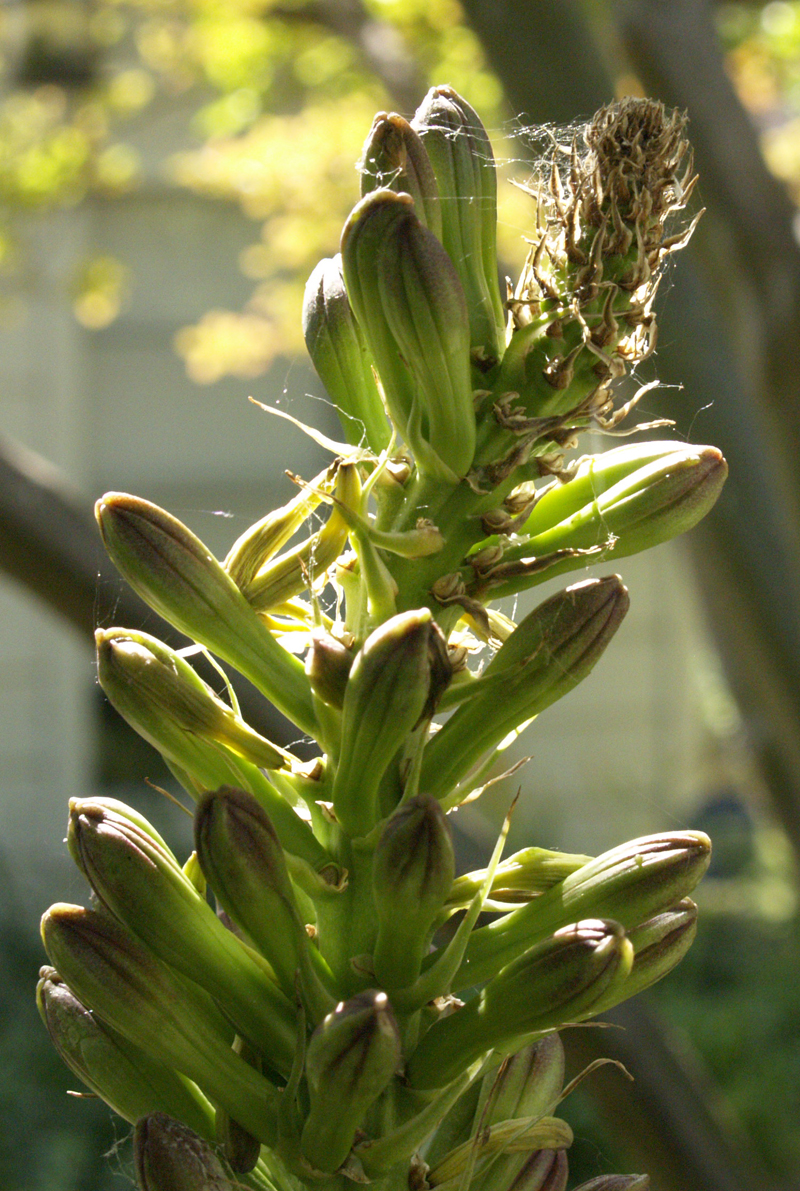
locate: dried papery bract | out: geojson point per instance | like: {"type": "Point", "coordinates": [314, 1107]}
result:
{"type": "Point", "coordinates": [283, 1008]}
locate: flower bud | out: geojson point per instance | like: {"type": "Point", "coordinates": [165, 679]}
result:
{"type": "Point", "coordinates": [527, 1085]}
{"type": "Point", "coordinates": [461, 154]}
{"type": "Point", "coordinates": [546, 1170]}
{"type": "Point", "coordinates": [507, 1137]}
{"type": "Point", "coordinates": [337, 347]}
{"type": "Point", "coordinates": [116, 976]}
{"type": "Point", "coordinates": [145, 888]}
{"type": "Point", "coordinates": [590, 478]}
{"type": "Point", "coordinates": [655, 503]}
{"type": "Point", "coordinates": [130, 1082]}
{"type": "Point", "coordinates": [197, 732]}
{"type": "Point", "coordinates": [180, 579]}
{"type": "Point", "coordinates": [351, 1057]}
{"type": "Point", "coordinates": [164, 686]}
{"type": "Point", "coordinates": [394, 157]}
{"type": "Point", "coordinates": [519, 879]}
{"type": "Point", "coordinates": [240, 1148]}
{"type": "Point", "coordinates": [630, 883]}
{"type": "Point", "coordinates": [409, 303]}
{"type": "Point", "coordinates": [328, 666]}
{"type": "Point", "coordinates": [659, 944]}
{"type": "Point", "coordinates": [560, 980]}
{"type": "Point", "coordinates": [385, 696]}
{"type": "Point", "coordinates": [244, 863]}
{"type": "Point", "coordinates": [168, 1156]}
{"type": "Point", "coordinates": [412, 873]}
{"type": "Point", "coordinates": [262, 541]}
{"type": "Point", "coordinates": [553, 649]}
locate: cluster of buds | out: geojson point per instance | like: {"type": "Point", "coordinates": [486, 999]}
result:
{"type": "Point", "coordinates": [283, 1008]}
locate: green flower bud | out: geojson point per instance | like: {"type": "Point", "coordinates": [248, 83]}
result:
{"type": "Point", "coordinates": [394, 157]}
{"type": "Point", "coordinates": [519, 879]}
{"type": "Point", "coordinates": [168, 688]}
{"type": "Point", "coordinates": [180, 579]}
{"type": "Point", "coordinates": [659, 944]}
{"type": "Point", "coordinates": [385, 696]}
{"type": "Point", "coordinates": [262, 541]}
{"type": "Point", "coordinates": [507, 1137]}
{"type": "Point", "coordinates": [412, 873]}
{"type": "Point", "coordinates": [328, 666]}
{"type": "Point", "coordinates": [351, 1057]}
{"type": "Point", "coordinates": [546, 1170]}
{"type": "Point", "coordinates": [243, 861]}
{"type": "Point", "coordinates": [196, 733]}
{"type": "Point", "coordinates": [560, 980]}
{"type": "Point", "coordinates": [553, 649]}
{"type": "Point", "coordinates": [337, 347]}
{"type": "Point", "coordinates": [590, 478]}
{"type": "Point", "coordinates": [116, 976]}
{"type": "Point", "coordinates": [617, 1182]}
{"type": "Point", "coordinates": [409, 302]}
{"type": "Point", "coordinates": [307, 565]}
{"type": "Point", "coordinates": [168, 1156]}
{"type": "Point", "coordinates": [131, 1082]}
{"type": "Point", "coordinates": [630, 883]}
{"type": "Point", "coordinates": [655, 503]}
{"type": "Point", "coordinates": [461, 154]}
{"type": "Point", "coordinates": [527, 1085]}
{"type": "Point", "coordinates": [145, 888]}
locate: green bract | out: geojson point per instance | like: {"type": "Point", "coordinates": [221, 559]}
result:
{"type": "Point", "coordinates": [309, 1033]}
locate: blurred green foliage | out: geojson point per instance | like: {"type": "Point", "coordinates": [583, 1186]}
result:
{"type": "Point", "coordinates": [735, 1006]}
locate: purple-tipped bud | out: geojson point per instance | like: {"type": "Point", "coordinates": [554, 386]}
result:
{"type": "Point", "coordinates": [659, 944]}
{"type": "Point", "coordinates": [561, 980]}
{"type": "Point", "coordinates": [553, 649]}
{"type": "Point", "coordinates": [340, 354]}
{"type": "Point", "coordinates": [631, 883]}
{"type": "Point", "coordinates": [394, 157]}
{"type": "Point", "coordinates": [178, 576]}
{"type": "Point", "coordinates": [461, 154]}
{"type": "Point", "coordinates": [410, 305]}
{"type": "Point", "coordinates": [328, 666]}
{"type": "Point", "coordinates": [244, 863]}
{"type": "Point", "coordinates": [116, 976]}
{"type": "Point", "coordinates": [546, 1170]}
{"type": "Point", "coordinates": [412, 874]}
{"type": "Point", "coordinates": [168, 1156]}
{"type": "Point", "coordinates": [387, 692]}
{"type": "Point", "coordinates": [528, 1084]}
{"type": "Point", "coordinates": [351, 1057]}
{"type": "Point", "coordinates": [122, 1074]}
{"type": "Point", "coordinates": [151, 685]}
{"type": "Point", "coordinates": [145, 888]}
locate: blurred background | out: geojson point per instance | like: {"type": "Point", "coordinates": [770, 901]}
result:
{"type": "Point", "coordinates": [170, 173]}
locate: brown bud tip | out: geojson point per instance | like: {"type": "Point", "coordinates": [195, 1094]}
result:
{"type": "Point", "coordinates": [169, 1157]}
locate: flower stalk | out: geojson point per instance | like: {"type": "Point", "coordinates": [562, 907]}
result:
{"type": "Point", "coordinates": [282, 1008]}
